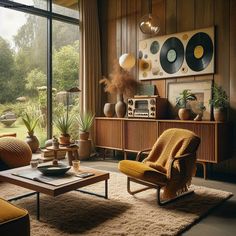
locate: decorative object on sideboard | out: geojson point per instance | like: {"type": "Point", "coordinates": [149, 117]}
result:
{"type": "Point", "coordinates": [182, 103]}
{"type": "Point", "coordinates": [219, 102]}
{"type": "Point", "coordinates": [149, 24]}
{"type": "Point", "coordinates": [109, 109]}
{"type": "Point", "coordinates": [120, 83]}
{"type": "Point", "coordinates": [201, 89]}
{"type": "Point", "coordinates": [31, 122]}
{"type": "Point", "coordinates": [201, 109]}
{"type": "Point", "coordinates": [85, 121]}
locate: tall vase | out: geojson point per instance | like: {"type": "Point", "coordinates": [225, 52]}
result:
{"type": "Point", "coordinates": [120, 106]}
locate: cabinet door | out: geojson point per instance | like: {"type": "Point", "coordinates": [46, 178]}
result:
{"type": "Point", "coordinates": [139, 134]}
{"type": "Point", "coordinates": [206, 131]}
{"type": "Point", "coordinates": [108, 133]}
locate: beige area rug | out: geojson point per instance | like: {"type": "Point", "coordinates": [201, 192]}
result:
{"type": "Point", "coordinates": [75, 213]}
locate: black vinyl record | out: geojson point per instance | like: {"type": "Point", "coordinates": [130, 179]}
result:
{"type": "Point", "coordinates": [172, 55]}
{"type": "Point", "coordinates": [199, 51]}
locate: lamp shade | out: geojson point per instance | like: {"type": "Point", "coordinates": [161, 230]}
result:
{"type": "Point", "coordinates": [127, 61]}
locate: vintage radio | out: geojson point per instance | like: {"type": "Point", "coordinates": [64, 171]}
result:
{"type": "Point", "coordinates": [147, 107]}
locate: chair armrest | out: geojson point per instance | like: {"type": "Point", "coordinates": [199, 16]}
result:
{"type": "Point", "coordinates": [141, 152]}
{"type": "Point", "coordinates": [178, 158]}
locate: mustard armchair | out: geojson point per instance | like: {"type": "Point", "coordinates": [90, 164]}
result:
{"type": "Point", "coordinates": [169, 166]}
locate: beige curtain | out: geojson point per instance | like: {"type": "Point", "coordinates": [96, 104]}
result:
{"type": "Point", "coordinates": [90, 57]}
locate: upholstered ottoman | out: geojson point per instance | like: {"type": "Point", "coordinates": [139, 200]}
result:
{"type": "Point", "coordinates": [14, 153]}
{"type": "Point", "coordinates": [14, 221]}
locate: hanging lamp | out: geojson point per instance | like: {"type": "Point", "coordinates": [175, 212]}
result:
{"type": "Point", "coordinates": [149, 24]}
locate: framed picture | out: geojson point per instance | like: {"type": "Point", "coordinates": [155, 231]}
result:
{"type": "Point", "coordinates": [201, 89]}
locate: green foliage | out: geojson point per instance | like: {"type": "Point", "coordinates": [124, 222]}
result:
{"type": "Point", "coordinates": [35, 78]}
{"type": "Point", "coordinates": [65, 68]}
{"type": "Point", "coordinates": [63, 124]}
{"type": "Point", "coordinates": [184, 97]}
{"type": "Point", "coordinates": [220, 98]}
{"type": "Point", "coordinates": [85, 121]}
{"type": "Point", "coordinates": [30, 122]}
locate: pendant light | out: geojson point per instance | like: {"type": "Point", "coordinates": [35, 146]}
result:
{"type": "Point", "coordinates": [149, 24]}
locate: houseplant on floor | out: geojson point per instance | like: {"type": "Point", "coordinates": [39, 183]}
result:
{"type": "Point", "coordinates": [182, 103]}
{"type": "Point", "coordinates": [219, 102]}
{"type": "Point", "coordinates": [85, 121]}
{"type": "Point", "coordinates": [30, 123]}
{"type": "Point", "coordinates": [63, 124]}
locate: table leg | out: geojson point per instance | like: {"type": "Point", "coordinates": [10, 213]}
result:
{"type": "Point", "coordinates": [38, 206]}
{"type": "Point", "coordinates": [106, 189]}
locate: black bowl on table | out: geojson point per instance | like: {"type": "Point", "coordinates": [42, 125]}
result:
{"type": "Point", "coordinates": [54, 170]}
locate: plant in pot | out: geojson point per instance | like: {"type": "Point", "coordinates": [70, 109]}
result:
{"type": "Point", "coordinates": [182, 103]}
{"type": "Point", "coordinates": [30, 123]}
{"type": "Point", "coordinates": [63, 124]}
{"type": "Point", "coordinates": [219, 102]}
{"type": "Point", "coordinates": [85, 121]}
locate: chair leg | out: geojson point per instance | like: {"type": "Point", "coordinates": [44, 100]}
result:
{"type": "Point", "coordinates": [136, 191]}
{"type": "Point", "coordinates": [158, 188]}
{"type": "Point", "coordinates": [162, 203]}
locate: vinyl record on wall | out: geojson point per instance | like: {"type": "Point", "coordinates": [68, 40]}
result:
{"type": "Point", "coordinates": [199, 51]}
{"type": "Point", "coordinates": [172, 55]}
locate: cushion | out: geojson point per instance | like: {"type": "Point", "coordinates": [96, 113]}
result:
{"type": "Point", "coordinates": [7, 135]}
{"type": "Point", "coordinates": [14, 152]}
{"type": "Point", "coordinates": [13, 220]}
{"type": "Point", "coordinates": [142, 171]}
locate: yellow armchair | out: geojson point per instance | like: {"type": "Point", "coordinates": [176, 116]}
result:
{"type": "Point", "coordinates": [169, 166]}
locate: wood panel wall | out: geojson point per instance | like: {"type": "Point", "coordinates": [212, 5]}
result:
{"type": "Point", "coordinates": [120, 34]}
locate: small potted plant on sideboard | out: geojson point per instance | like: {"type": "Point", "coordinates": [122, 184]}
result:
{"type": "Point", "coordinates": [219, 102]}
{"type": "Point", "coordinates": [182, 103]}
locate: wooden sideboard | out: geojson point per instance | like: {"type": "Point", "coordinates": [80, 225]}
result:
{"type": "Point", "coordinates": [133, 135]}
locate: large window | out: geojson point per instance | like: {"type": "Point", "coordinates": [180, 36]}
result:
{"type": "Point", "coordinates": [39, 58]}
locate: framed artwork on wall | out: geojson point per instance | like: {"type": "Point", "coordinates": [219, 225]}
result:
{"type": "Point", "coordinates": [201, 89]}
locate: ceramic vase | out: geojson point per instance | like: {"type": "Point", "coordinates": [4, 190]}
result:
{"type": "Point", "coordinates": [109, 109]}
{"type": "Point", "coordinates": [220, 114]}
{"type": "Point", "coordinates": [184, 114]}
{"type": "Point", "coordinates": [120, 106]}
{"type": "Point", "coordinates": [33, 142]}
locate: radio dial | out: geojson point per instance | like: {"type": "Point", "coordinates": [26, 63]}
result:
{"type": "Point", "coordinates": [130, 102]}
{"type": "Point", "coordinates": [152, 101]}
{"type": "Point", "coordinates": [130, 109]}
{"type": "Point", "coordinates": [152, 108]}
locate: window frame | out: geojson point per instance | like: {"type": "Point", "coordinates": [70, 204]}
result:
{"type": "Point", "coordinates": [50, 16]}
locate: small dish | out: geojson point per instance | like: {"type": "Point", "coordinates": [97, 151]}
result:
{"type": "Point", "coordinates": [54, 170]}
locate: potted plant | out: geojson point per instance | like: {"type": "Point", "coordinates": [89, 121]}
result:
{"type": "Point", "coordinates": [85, 121]}
{"type": "Point", "coordinates": [182, 102]}
{"type": "Point", "coordinates": [63, 124]}
{"type": "Point", "coordinates": [30, 123]}
{"type": "Point", "coordinates": [120, 82]}
{"type": "Point", "coordinates": [219, 102]}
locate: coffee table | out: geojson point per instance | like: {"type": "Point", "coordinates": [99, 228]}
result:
{"type": "Point", "coordinates": [39, 187]}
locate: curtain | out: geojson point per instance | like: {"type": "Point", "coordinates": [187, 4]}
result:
{"type": "Point", "coordinates": [90, 57]}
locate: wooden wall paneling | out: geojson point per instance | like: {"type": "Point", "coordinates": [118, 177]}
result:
{"type": "Point", "coordinates": [171, 16]}
{"type": "Point", "coordinates": [132, 32]}
{"type": "Point", "coordinates": [124, 28]}
{"type": "Point", "coordinates": [118, 28]}
{"type": "Point", "coordinates": [222, 43]}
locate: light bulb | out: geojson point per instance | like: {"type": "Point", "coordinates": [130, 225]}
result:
{"type": "Point", "coordinates": [149, 24]}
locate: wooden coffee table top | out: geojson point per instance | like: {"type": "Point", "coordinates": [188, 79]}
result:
{"type": "Point", "coordinates": [7, 176]}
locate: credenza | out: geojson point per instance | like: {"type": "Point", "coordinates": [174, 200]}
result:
{"type": "Point", "coordinates": [133, 135]}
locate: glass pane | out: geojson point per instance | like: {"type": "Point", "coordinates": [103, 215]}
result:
{"type": "Point", "coordinates": [67, 8]}
{"type": "Point", "coordinates": [42, 4]}
{"type": "Point", "coordinates": [23, 69]}
{"type": "Point", "coordinates": [65, 73]}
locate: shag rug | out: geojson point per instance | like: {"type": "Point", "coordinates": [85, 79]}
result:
{"type": "Point", "coordinates": [76, 213]}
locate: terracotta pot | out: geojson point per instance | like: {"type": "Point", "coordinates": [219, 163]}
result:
{"type": "Point", "coordinates": [64, 139]}
{"type": "Point", "coordinates": [109, 109]}
{"type": "Point", "coordinates": [84, 149]}
{"type": "Point", "coordinates": [84, 135]}
{"type": "Point", "coordinates": [220, 114]}
{"type": "Point", "coordinates": [120, 106]}
{"type": "Point", "coordinates": [33, 142]}
{"type": "Point", "coordinates": [184, 114]}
